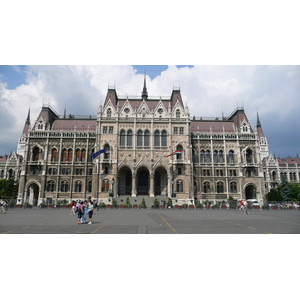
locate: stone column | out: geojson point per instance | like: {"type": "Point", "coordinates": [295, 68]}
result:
{"type": "Point", "coordinates": [151, 185]}
{"type": "Point", "coordinates": [133, 191]}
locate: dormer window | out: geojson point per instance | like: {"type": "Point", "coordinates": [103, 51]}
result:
{"type": "Point", "coordinates": [108, 113]}
{"type": "Point", "coordinates": [245, 127]}
{"type": "Point", "coordinates": [177, 114]}
{"type": "Point", "coordinates": [160, 111]}
{"type": "Point", "coordinates": [40, 125]}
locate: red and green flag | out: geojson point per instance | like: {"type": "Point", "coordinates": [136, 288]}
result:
{"type": "Point", "coordinates": [175, 152]}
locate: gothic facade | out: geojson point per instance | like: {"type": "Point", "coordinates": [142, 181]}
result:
{"type": "Point", "coordinates": [217, 157]}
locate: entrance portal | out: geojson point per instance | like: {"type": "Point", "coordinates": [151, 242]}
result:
{"type": "Point", "coordinates": [33, 194]}
{"type": "Point", "coordinates": [143, 182]}
{"type": "Point", "coordinates": [250, 192]}
{"type": "Point", "coordinates": [125, 181]}
{"type": "Point", "coordinates": [160, 182]}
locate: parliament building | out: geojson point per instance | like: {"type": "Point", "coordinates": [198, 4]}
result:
{"type": "Point", "coordinates": [215, 157]}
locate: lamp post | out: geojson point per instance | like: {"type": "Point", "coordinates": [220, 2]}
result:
{"type": "Point", "coordinates": [112, 186]}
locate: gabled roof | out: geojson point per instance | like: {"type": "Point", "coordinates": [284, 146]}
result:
{"type": "Point", "coordinates": [74, 124]}
{"type": "Point", "coordinates": [213, 126]}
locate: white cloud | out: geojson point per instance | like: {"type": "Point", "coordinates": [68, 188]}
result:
{"type": "Point", "coordinates": [273, 91]}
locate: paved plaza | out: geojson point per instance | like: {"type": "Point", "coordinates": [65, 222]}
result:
{"type": "Point", "coordinates": [151, 221]}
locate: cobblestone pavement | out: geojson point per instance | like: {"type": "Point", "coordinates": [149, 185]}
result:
{"type": "Point", "coordinates": [151, 221]}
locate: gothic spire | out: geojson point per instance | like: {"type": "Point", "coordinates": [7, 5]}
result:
{"type": "Point", "coordinates": [258, 121]}
{"type": "Point", "coordinates": [145, 93]}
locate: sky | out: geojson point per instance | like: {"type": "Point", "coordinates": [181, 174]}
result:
{"type": "Point", "coordinates": [234, 53]}
{"type": "Point", "coordinates": [209, 91]}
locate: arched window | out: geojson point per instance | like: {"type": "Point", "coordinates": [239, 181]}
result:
{"type": "Point", "coordinates": [83, 155]}
{"type": "Point", "coordinates": [78, 186]}
{"type": "Point", "coordinates": [64, 155]}
{"type": "Point", "coordinates": [179, 186]}
{"type": "Point", "coordinates": [231, 157]}
{"type": "Point", "coordinates": [164, 138]}
{"type": "Point", "coordinates": [206, 187]}
{"type": "Point", "coordinates": [274, 176]}
{"type": "Point", "coordinates": [64, 186]}
{"type": "Point", "coordinates": [89, 186]}
{"type": "Point", "coordinates": [2, 173]}
{"type": "Point", "coordinates": [156, 138]}
{"type": "Point", "coordinates": [215, 156]}
{"type": "Point", "coordinates": [179, 148]}
{"type": "Point", "coordinates": [207, 156]}
{"type": "Point", "coordinates": [54, 155]}
{"type": "Point", "coordinates": [70, 154]}
{"type": "Point", "coordinates": [140, 138]}
{"type": "Point", "coordinates": [249, 156]}
{"type": "Point", "coordinates": [202, 153]}
{"type": "Point", "coordinates": [77, 155]}
{"type": "Point", "coordinates": [51, 186]}
{"type": "Point", "coordinates": [221, 156]}
{"type": "Point", "coordinates": [146, 139]}
{"type": "Point", "coordinates": [220, 187]}
{"type": "Point", "coordinates": [233, 187]}
{"type": "Point", "coordinates": [177, 114]}
{"type": "Point", "coordinates": [122, 138]}
{"type": "Point", "coordinates": [107, 152]}
{"type": "Point", "coordinates": [35, 153]}
{"type": "Point", "coordinates": [108, 113]}
{"type": "Point", "coordinates": [105, 185]}
{"type": "Point", "coordinates": [129, 138]}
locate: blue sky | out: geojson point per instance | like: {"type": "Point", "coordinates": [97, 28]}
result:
{"type": "Point", "coordinates": [209, 91]}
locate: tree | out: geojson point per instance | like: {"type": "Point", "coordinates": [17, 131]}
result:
{"type": "Point", "coordinates": [294, 191]}
{"type": "Point", "coordinates": [273, 196]}
{"type": "Point", "coordinates": [8, 189]}
{"type": "Point", "coordinates": [285, 190]}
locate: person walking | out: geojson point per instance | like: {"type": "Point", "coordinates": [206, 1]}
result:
{"type": "Point", "coordinates": [3, 207]}
{"type": "Point", "coordinates": [79, 211]}
{"type": "Point", "coordinates": [72, 212]}
{"type": "Point", "coordinates": [84, 212]}
{"type": "Point", "coordinates": [90, 211]}
{"type": "Point", "coordinates": [245, 207]}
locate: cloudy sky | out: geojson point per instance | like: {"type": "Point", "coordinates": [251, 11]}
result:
{"type": "Point", "coordinates": [272, 91]}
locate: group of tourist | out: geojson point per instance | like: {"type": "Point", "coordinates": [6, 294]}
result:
{"type": "Point", "coordinates": [83, 208]}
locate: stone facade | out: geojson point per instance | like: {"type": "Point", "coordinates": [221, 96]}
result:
{"type": "Point", "coordinates": [218, 157]}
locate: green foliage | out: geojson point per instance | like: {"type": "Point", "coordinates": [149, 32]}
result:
{"type": "Point", "coordinates": [8, 189]}
{"type": "Point", "coordinates": [273, 196]}
{"type": "Point", "coordinates": [155, 202]}
{"type": "Point", "coordinates": [170, 203]}
{"type": "Point", "coordinates": [114, 203]}
{"type": "Point", "coordinates": [285, 190]}
{"type": "Point", "coordinates": [143, 204]}
{"type": "Point", "coordinates": [184, 205]}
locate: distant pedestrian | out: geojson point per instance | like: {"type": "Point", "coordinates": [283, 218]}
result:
{"type": "Point", "coordinates": [79, 211]}
{"type": "Point", "coordinates": [241, 205]}
{"type": "Point", "coordinates": [3, 207]}
{"type": "Point", "coordinates": [90, 211]}
{"type": "Point", "coordinates": [245, 207]}
{"type": "Point", "coordinates": [96, 205]}
{"type": "Point", "coordinates": [84, 212]}
{"type": "Point", "coordinates": [72, 212]}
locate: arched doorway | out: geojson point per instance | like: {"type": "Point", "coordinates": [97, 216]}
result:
{"type": "Point", "coordinates": [160, 182]}
{"type": "Point", "coordinates": [250, 192]}
{"type": "Point", "coordinates": [125, 181]}
{"type": "Point", "coordinates": [33, 192]}
{"type": "Point", "coordinates": [143, 182]}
